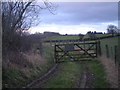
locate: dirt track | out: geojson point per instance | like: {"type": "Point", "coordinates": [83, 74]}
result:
{"type": "Point", "coordinates": [84, 82]}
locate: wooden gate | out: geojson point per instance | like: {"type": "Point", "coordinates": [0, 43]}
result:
{"type": "Point", "coordinates": [75, 51]}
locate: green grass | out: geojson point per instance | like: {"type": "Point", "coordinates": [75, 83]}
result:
{"type": "Point", "coordinates": [66, 77]}
{"type": "Point", "coordinates": [16, 77]}
{"type": "Point", "coordinates": [100, 76]}
{"type": "Point", "coordinates": [97, 35]}
{"type": "Point", "coordinates": [49, 54]}
{"type": "Point", "coordinates": [69, 73]}
{"type": "Point", "coordinates": [69, 37]}
{"type": "Point", "coordinates": [64, 37]}
{"type": "Point", "coordinates": [12, 78]}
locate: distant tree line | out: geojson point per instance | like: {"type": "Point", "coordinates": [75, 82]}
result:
{"type": "Point", "coordinates": [90, 32]}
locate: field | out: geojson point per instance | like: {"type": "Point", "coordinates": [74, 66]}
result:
{"type": "Point", "coordinates": [64, 37]}
{"type": "Point", "coordinates": [72, 37]}
{"type": "Point", "coordinates": [96, 35]}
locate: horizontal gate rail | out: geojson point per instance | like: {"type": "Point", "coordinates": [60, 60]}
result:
{"type": "Point", "coordinates": [78, 43]}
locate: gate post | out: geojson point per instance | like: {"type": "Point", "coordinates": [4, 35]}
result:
{"type": "Point", "coordinates": [55, 53]}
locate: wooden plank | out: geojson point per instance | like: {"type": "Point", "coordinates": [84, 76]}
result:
{"type": "Point", "coordinates": [84, 50]}
{"type": "Point", "coordinates": [81, 43]}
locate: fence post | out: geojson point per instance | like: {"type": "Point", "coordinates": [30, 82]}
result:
{"type": "Point", "coordinates": [98, 48]}
{"type": "Point", "coordinates": [107, 51]}
{"type": "Point", "coordinates": [115, 50]}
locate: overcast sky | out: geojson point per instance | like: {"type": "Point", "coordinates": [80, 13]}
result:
{"type": "Point", "coordinates": [78, 17]}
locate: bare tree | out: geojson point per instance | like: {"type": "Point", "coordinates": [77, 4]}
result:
{"type": "Point", "coordinates": [17, 15]}
{"type": "Point", "coordinates": [112, 29]}
{"type": "Point", "coordinates": [20, 16]}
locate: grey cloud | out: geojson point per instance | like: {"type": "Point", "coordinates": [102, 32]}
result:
{"type": "Point", "coordinates": [82, 13]}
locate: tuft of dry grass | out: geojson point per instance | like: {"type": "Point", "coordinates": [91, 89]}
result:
{"type": "Point", "coordinates": [111, 70]}
{"type": "Point", "coordinates": [22, 60]}
{"type": "Point", "coordinates": [14, 59]}
{"type": "Point", "coordinates": [35, 58]}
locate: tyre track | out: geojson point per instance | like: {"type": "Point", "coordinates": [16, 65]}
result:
{"type": "Point", "coordinates": [84, 82]}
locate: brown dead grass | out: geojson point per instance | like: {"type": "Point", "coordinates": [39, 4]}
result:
{"type": "Point", "coordinates": [26, 66]}
{"type": "Point", "coordinates": [111, 71]}
{"type": "Point", "coordinates": [22, 60]}
{"type": "Point", "coordinates": [35, 58]}
{"type": "Point", "coordinates": [28, 63]}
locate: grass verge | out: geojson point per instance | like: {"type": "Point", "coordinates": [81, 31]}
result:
{"type": "Point", "coordinates": [16, 75]}
{"type": "Point", "coordinates": [98, 71]}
